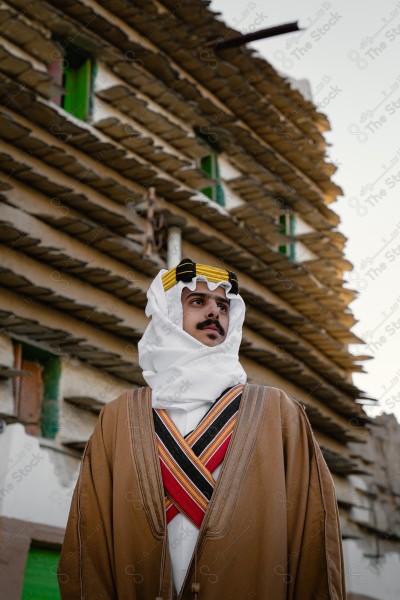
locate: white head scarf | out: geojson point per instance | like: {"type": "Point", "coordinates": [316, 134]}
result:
{"type": "Point", "coordinates": [181, 371]}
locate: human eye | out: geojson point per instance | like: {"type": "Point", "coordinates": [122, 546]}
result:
{"type": "Point", "coordinates": [223, 307]}
{"type": "Point", "coordinates": [198, 300]}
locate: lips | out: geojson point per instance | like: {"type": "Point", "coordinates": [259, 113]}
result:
{"type": "Point", "coordinates": [212, 328]}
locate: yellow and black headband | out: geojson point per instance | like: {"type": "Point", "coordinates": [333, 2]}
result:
{"type": "Point", "coordinates": [187, 270]}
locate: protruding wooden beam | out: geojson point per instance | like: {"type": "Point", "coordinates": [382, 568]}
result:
{"type": "Point", "coordinates": [243, 38]}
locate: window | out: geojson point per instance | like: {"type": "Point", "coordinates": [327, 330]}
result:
{"type": "Point", "coordinates": [76, 73]}
{"type": "Point", "coordinates": [287, 227]}
{"type": "Point", "coordinates": [215, 191]}
{"type": "Point", "coordinates": [37, 393]}
{"type": "Point", "coordinates": [40, 578]}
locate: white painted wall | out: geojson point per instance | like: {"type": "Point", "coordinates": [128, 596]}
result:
{"type": "Point", "coordinates": [6, 389]}
{"type": "Point", "coordinates": [226, 169]}
{"type": "Point", "coordinates": [232, 200]}
{"type": "Point", "coordinates": [78, 379]}
{"type": "Point", "coordinates": [379, 579]}
{"type": "Point", "coordinates": [36, 483]}
{"type": "Point", "coordinates": [303, 253]}
{"type": "Point", "coordinates": [301, 226]}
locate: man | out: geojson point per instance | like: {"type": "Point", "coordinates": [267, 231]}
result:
{"type": "Point", "coordinates": [201, 486]}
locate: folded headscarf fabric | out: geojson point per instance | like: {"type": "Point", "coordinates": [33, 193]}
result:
{"type": "Point", "coordinates": [181, 371]}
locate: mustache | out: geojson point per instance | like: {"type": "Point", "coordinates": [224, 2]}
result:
{"type": "Point", "coordinates": [209, 322]}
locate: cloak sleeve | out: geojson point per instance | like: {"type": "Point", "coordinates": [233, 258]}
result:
{"type": "Point", "coordinates": [87, 552]}
{"type": "Point", "coordinates": [315, 556]}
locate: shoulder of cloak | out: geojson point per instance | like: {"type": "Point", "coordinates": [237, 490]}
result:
{"type": "Point", "coordinates": [279, 407]}
{"type": "Point", "coordinates": [275, 396]}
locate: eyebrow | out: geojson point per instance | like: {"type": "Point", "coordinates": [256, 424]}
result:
{"type": "Point", "coordinates": [203, 295]}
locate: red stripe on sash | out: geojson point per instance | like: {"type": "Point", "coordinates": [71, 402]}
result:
{"type": "Point", "coordinates": [182, 493]}
{"type": "Point", "coordinates": [211, 465]}
{"type": "Point", "coordinates": [186, 503]}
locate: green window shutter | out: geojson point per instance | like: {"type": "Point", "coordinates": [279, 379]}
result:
{"type": "Point", "coordinates": [40, 578]}
{"type": "Point", "coordinates": [206, 166]}
{"type": "Point", "coordinates": [282, 229]}
{"type": "Point", "coordinates": [292, 245]}
{"type": "Point", "coordinates": [220, 196]}
{"type": "Point", "coordinates": [93, 75]}
{"type": "Point", "coordinates": [49, 419]}
{"type": "Point", "coordinates": [209, 166]}
{"type": "Point", "coordinates": [50, 376]}
{"type": "Point", "coordinates": [291, 224]}
{"type": "Point", "coordinates": [209, 192]}
{"type": "Point", "coordinates": [287, 227]}
{"type": "Point", "coordinates": [77, 83]}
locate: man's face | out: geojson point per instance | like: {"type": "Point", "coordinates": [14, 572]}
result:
{"type": "Point", "coordinates": [205, 314]}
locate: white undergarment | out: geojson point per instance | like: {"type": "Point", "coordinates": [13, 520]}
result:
{"type": "Point", "coordinates": [182, 534]}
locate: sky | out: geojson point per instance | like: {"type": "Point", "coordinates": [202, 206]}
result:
{"type": "Point", "coordinates": [349, 52]}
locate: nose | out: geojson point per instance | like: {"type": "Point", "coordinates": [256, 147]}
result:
{"type": "Point", "coordinates": [213, 310]}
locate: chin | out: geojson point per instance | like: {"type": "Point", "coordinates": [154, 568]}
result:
{"type": "Point", "coordinates": [213, 340]}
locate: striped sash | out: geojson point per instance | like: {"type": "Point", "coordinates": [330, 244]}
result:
{"type": "Point", "coordinates": [187, 463]}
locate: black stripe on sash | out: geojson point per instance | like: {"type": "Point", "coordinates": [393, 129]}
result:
{"type": "Point", "coordinates": [181, 458]}
{"type": "Point", "coordinates": [215, 427]}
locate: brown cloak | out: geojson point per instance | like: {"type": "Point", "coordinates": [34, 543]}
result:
{"type": "Point", "coordinates": [271, 531]}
